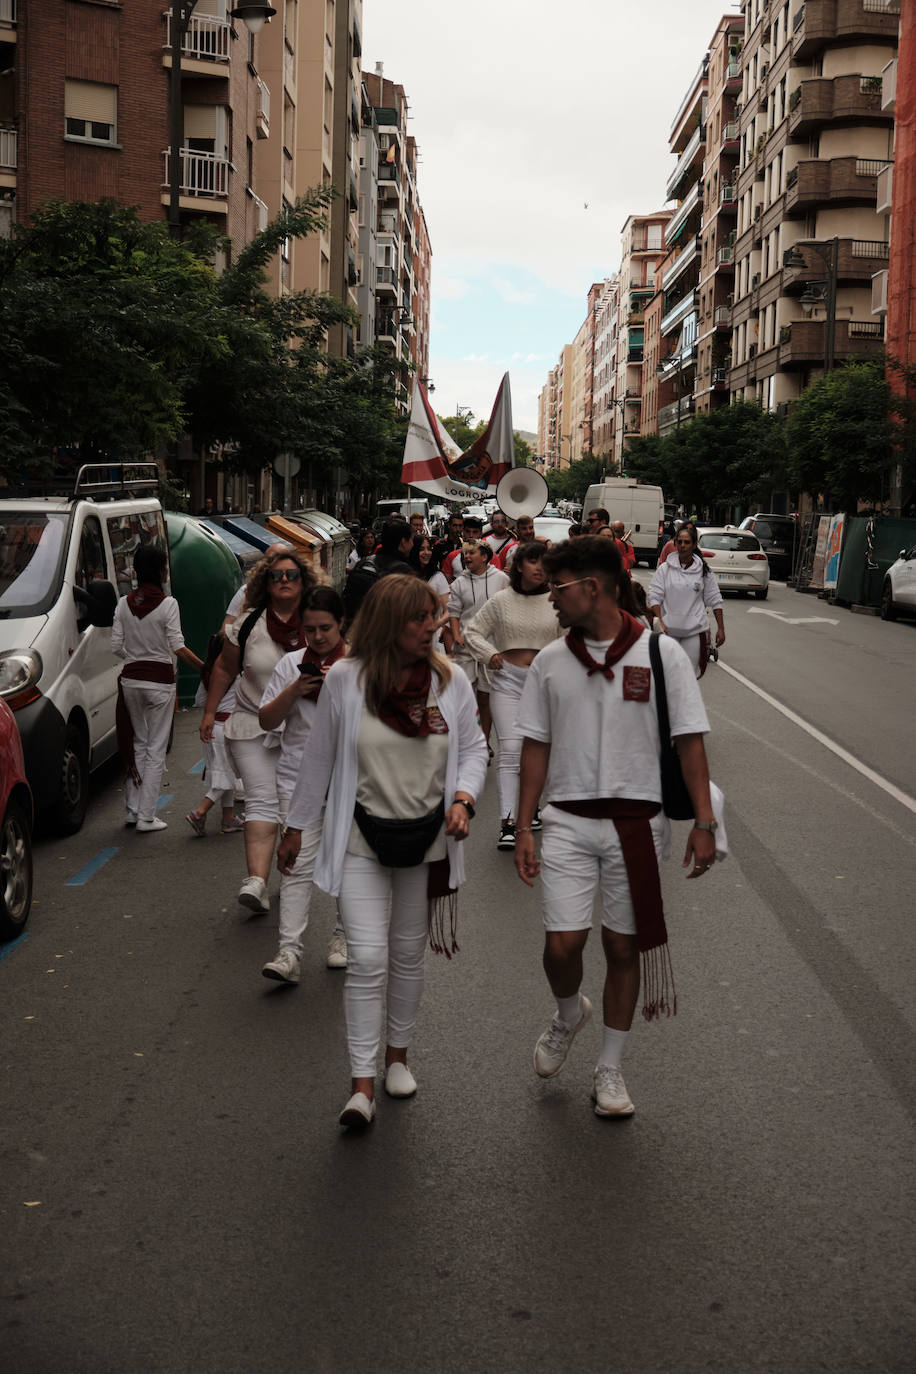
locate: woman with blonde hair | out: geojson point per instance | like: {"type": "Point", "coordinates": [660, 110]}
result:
{"type": "Point", "coordinates": [397, 751]}
{"type": "Point", "coordinates": [269, 626]}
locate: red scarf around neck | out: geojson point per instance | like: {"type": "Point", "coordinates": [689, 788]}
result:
{"type": "Point", "coordinates": [630, 630]}
{"type": "Point", "coordinates": [405, 709]}
{"type": "Point", "coordinates": [287, 633]}
{"type": "Point", "coordinates": [145, 599]}
{"type": "Point", "coordinates": [325, 663]}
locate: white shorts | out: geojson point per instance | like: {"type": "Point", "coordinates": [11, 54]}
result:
{"type": "Point", "coordinates": [580, 857]}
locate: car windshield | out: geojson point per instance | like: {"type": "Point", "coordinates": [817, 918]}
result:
{"type": "Point", "coordinates": [31, 547]}
{"type": "Point", "coordinates": [729, 543]}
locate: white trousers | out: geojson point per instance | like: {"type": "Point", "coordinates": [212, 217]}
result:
{"type": "Point", "coordinates": [296, 887]}
{"type": "Point", "coordinates": [505, 692]}
{"type": "Point", "coordinates": [151, 707]}
{"type": "Point", "coordinates": [384, 918]}
{"type": "Point", "coordinates": [257, 767]}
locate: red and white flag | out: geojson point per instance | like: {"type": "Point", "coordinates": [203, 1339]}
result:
{"type": "Point", "coordinates": [433, 462]}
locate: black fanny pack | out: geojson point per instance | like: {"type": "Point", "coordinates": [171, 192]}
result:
{"type": "Point", "coordinates": [399, 844]}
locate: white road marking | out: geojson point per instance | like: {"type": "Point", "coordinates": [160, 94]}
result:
{"type": "Point", "coordinates": [902, 797]}
{"type": "Point", "coordinates": [790, 620]}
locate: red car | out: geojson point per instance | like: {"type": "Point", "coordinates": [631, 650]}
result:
{"type": "Point", "coordinates": [15, 831]}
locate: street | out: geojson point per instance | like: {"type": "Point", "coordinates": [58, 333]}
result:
{"type": "Point", "coordinates": [175, 1192]}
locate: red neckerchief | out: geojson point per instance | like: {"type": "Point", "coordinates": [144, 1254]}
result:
{"type": "Point", "coordinates": [630, 630]}
{"type": "Point", "coordinates": [288, 634]}
{"type": "Point", "coordinates": [323, 663]}
{"type": "Point", "coordinates": [145, 599]}
{"type": "Point", "coordinates": [406, 710]}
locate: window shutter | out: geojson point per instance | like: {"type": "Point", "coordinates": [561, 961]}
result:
{"type": "Point", "coordinates": [200, 121]}
{"type": "Point", "coordinates": [86, 100]}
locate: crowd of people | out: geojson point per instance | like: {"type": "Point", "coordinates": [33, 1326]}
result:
{"type": "Point", "coordinates": [357, 728]}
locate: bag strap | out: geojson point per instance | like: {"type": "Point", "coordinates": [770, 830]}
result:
{"type": "Point", "coordinates": [244, 631]}
{"type": "Point", "coordinates": [661, 695]}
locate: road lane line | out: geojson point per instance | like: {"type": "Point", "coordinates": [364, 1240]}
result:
{"type": "Point", "coordinates": [902, 797]}
{"type": "Point", "coordinates": [92, 867]}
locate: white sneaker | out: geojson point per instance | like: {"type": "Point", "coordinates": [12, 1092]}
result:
{"type": "Point", "coordinates": [131, 818]}
{"type": "Point", "coordinates": [144, 827]}
{"type": "Point", "coordinates": [399, 1081]}
{"type": "Point", "coordinates": [253, 894]}
{"type": "Point", "coordinates": [610, 1093]}
{"type": "Point", "coordinates": [284, 969]}
{"type": "Point", "coordinates": [553, 1046]}
{"type": "Point", "coordinates": [337, 950]}
{"type": "Point", "coordinates": [359, 1111]}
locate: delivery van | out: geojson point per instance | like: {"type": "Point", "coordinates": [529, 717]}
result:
{"type": "Point", "coordinates": [641, 508]}
{"type": "Point", "coordinates": [64, 562]}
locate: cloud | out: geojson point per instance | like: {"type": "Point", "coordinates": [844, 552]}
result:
{"type": "Point", "coordinates": [511, 294]}
{"type": "Point", "coordinates": [450, 289]}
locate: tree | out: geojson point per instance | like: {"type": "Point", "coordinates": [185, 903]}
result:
{"type": "Point", "coordinates": [840, 435]}
{"type": "Point", "coordinates": [571, 484]}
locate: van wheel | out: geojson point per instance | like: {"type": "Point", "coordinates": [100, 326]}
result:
{"type": "Point", "coordinates": [15, 871]}
{"type": "Point", "coordinates": [69, 811]}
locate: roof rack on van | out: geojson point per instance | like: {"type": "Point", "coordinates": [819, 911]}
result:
{"type": "Point", "coordinates": [115, 479]}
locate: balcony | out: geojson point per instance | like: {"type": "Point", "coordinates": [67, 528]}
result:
{"type": "Point", "coordinates": [820, 23]}
{"type": "Point", "coordinates": [884, 189]}
{"type": "Point", "coordinates": [263, 113]}
{"type": "Point", "coordinates": [722, 319]}
{"type": "Point", "coordinates": [841, 181]}
{"type": "Point", "coordinates": [857, 260]}
{"type": "Point", "coordinates": [889, 88]}
{"type": "Point", "coordinates": [879, 293]}
{"type": "Point", "coordinates": [203, 175]}
{"type": "Point", "coordinates": [733, 75]}
{"type": "Point", "coordinates": [669, 416]}
{"type": "Point", "coordinates": [9, 149]}
{"type": "Point", "coordinates": [678, 312]}
{"type": "Point", "coordinates": [720, 376]}
{"type": "Point", "coordinates": [682, 262]}
{"type": "Point", "coordinates": [683, 212]}
{"type": "Point", "coordinates": [731, 133]}
{"type": "Point", "coordinates": [801, 343]}
{"type": "Point", "coordinates": [725, 258]}
{"type": "Point", "coordinates": [688, 162]}
{"type": "Point", "coordinates": [842, 100]}
{"type": "Point", "coordinates": [728, 198]}
{"type": "Point", "coordinates": [206, 40]}
{"type": "Point", "coordinates": [388, 224]}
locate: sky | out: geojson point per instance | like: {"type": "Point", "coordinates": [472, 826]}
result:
{"type": "Point", "coordinates": [541, 125]}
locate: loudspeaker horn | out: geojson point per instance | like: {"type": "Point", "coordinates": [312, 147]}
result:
{"type": "Point", "coordinates": [521, 492]}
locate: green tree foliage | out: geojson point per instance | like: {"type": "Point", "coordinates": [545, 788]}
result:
{"type": "Point", "coordinates": [840, 436]}
{"type": "Point", "coordinates": [571, 484]}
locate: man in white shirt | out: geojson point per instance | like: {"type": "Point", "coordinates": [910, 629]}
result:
{"type": "Point", "coordinates": [500, 539]}
{"type": "Point", "coordinates": [591, 747]}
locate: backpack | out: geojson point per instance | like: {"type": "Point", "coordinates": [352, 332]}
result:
{"type": "Point", "coordinates": [359, 579]}
{"type": "Point", "coordinates": [245, 630]}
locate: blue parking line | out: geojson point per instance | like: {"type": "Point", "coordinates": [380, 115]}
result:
{"type": "Point", "coordinates": [92, 867]}
{"type": "Point", "coordinates": [163, 801]}
{"type": "Point", "coordinates": [197, 769]}
{"type": "Point", "coordinates": [7, 949]}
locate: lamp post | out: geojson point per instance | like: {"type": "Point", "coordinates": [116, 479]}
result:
{"type": "Point", "coordinates": [428, 383]}
{"type": "Point", "coordinates": [254, 16]}
{"type": "Point", "coordinates": [829, 253]}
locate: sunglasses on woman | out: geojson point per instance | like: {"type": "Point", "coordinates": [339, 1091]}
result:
{"type": "Point", "coordinates": [284, 575]}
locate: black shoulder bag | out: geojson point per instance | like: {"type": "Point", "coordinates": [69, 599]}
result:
{"type": "Point", "coordinates": [676, 802]}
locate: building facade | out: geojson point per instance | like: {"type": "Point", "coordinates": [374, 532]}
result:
{"type": "Point", "coordinates": [642, 248]}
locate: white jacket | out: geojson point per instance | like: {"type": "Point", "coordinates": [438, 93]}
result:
{"type": "Point", "coordinates": [685, 596]}
{"type": "Point", "coordinates": [329, 766]}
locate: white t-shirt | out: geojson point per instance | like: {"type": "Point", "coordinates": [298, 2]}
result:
{"type": "Point", "coordinates": [157, 637]}
{"type": "Point", "coordinates": [295, 729]}
{"type": "Point", "coordinates": [261, 656]}
{"type": "Point", "coordinates": [600, 744]}
{"type": "Point", "coordinates": [234, 609]}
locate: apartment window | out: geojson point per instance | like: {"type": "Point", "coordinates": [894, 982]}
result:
{"type": "Point", "coordinates": [654, 236]}
{"type": "Point", "coordinates": [90, 111]}
{"type": "Point", "coordinates": [290, 21]}
{"type": "Point", "coordinates": [289, 124]}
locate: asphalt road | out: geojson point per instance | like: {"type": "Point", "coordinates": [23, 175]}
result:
{"type": "Point", "coordinates": [175, 1194]}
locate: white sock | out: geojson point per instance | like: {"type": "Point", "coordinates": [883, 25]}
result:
{"type": "Point", "coordinates": [613, 1044]}
{"type": "Point", "coordinates": [569, 1010]}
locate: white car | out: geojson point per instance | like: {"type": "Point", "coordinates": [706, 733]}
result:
{"type": "Point", "coordinates": [899, 590]}
{"type": "Point", "coordinates": [556, 529]}
{"type": "Point", "coordinates": [737, 559]}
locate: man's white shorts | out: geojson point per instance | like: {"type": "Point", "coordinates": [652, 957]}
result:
{"type": "Point", "coordinates": [581, 856]}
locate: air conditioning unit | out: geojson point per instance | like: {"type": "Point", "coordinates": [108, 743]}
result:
{"type": "Point", "coordinates": [730, 298]}
{"type": "Point", "coordinates": [758, 211]}
{"type": "Point", "coordinates": [755, 280]}
{"type": "Point", "coordinates": [752, 350]}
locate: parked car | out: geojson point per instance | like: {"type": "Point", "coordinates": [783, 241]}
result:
{"type": "Point", "coordinates": [777, 535]}
{"type": "Point", "coordinates": [556, 529]}
{"type": "Point", "coordinates": [737, 560]}
{"type": "Point", "coordinates": [15, 831]}
{"type": "Point", "coordinates": [899, 590]}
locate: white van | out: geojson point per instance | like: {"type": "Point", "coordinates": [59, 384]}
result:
{"type": "Point", "coordinates": [641, 508]}
{"type": "Point", "coordinates": [64, 561]}
{"type": "Point", "coordinates": [389, 509]}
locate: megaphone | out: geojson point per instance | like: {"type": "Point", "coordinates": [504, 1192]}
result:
{"type": "Point", "coordinates": [521, 492]}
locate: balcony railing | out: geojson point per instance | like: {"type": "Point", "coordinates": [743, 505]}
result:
{"type": "Point", "coordinates": [202, 174]}
{"type": "Point", "coordinates": [685, 161]}
{"type": "Point", "coordinates": [206, 38]}
{"type": "Point", "coordinates": [884, 189]}
{"type": "Point", "coordinates": [387, 224]}
{"type": "Point", "coordinates": [681, 263]}
{"type": "Point", "coordinates": [730, 133]}
{"type": "Point", "coordinates": [678, 312]}
{"type": "Point", "coordinates": [9, 148]}
{"type": "Point", "coordinates": [683, 212]}
{"type": "Point", "coordinates": [723, 316]}
{"type": "Point", "coordinates": [889, 87]}
{"type": "Point", "coordinates": [386, 280]}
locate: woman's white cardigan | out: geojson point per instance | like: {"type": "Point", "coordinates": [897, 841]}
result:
{"type": "Point", "coordinates": [684, 595]}
{"type": "Point", "coordinates": [329, 766]}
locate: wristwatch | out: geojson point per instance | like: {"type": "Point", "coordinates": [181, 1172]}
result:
{"type": "Point", "coordinates": [711, 826]}
{"type": "Point", "coordinates": [460, 801]}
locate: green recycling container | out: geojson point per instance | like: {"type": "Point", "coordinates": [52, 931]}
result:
{"type": "Point", "coordinates": [205, 576]}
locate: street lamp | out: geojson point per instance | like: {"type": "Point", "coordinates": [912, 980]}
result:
{"type": "Point", "coordinates": [428, 383]}
{"type": "Point", "coordinates": [254, 15]}
{"type": "Point", "coordinates": [829, 253]}
{"type": "Point", "coordinates": [464, 414]}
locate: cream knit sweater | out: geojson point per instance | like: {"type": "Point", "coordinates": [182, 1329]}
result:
{"type": "Point", "coordinates": [510, 620]}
